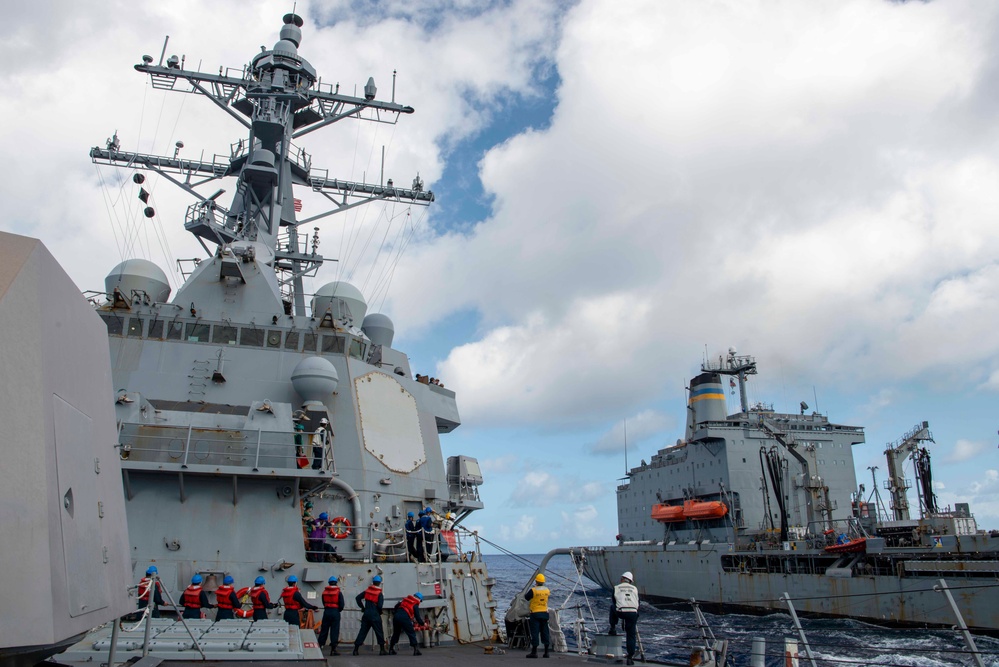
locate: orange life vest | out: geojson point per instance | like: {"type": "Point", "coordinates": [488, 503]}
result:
{"type": "Point", "coordinates": [223, 596]}
{"type": "Point", "coordinates": [371, 594]}
{"type": "Point", "coordinates": [408, 604]}
{"type": "Point", "coordinates": [331, 596]}
{"type": "Point", "coordinates": [145, 588]}
{"type": "Point", "coordinates": [191, 597]}
{"type": "Point", "coordinates": [288, 596]}
{"type": "Point", "coordinates": [258, 595]}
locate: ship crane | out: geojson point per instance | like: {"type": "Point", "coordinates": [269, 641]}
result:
{"type": "Point", "coordinates": [898, 486]}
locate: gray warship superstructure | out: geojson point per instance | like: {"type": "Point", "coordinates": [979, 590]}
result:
{"type": "Point", "coordinates": [753, 506]}
{"type": "Point", "coordinates": [211, 383]}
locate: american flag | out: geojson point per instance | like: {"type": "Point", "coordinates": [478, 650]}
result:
{"type": "Point", "coordinates": [298, 205]}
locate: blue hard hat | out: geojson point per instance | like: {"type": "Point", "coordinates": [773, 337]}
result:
{"type": "Point", "coordinates": [228, 580]}
{"type": "Point", "coordinates": [151, 569]}
{"type": "Point", "coordinates": [333, 580]}
{"type": "Point", "coordinates": [196, 579]}
{"type": "Point", "coordinates": [376, 579]}
{"type": "Point", "coordinates": [422, 512]}
{"type": "Point", "coordinates": [292, 579]}
{"type": "Point", "coordinates": [324, 516]}
{"type": "Point", "coordinates": [259, 581]}
{"type": "Point", "coordinates": [418, 596]}
{"type": "Point", "coordinates": [410, 515]}
{"type": "Point", "coordinates": [429, 510]}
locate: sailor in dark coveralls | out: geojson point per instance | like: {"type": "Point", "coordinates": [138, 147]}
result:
{"type": "Point", "coordinates": [261, 600]}
{"type": "Point", "coordinates": [293, 601]}
{"type": "Point", "coordinates": [146, 589]}
{"type": "Point", "coordinates": [332, 606]}
{"type": "Point", "coordinates": [407, 611]}
{"type": "Point", "coordinates": [414, 537]}
{"type": "Point", "coordinates": [226, 600]}
{"type": "Point", "coordinates": [371, 601]}
{"type": "Point", "coordinates": [194, 599]}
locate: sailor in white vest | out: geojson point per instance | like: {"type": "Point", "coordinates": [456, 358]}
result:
{"type": "Point", "coordinates": [624, 607]}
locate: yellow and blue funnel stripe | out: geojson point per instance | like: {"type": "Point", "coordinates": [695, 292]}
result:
{"type": "Point", "coordinates": [711, 392]}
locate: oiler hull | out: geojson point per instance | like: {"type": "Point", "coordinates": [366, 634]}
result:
{"type": "Point", "coordinates": [819, 584]}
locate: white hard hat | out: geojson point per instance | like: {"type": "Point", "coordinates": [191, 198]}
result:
{"type": "Point", "coordinates": [629, 576]}
{"type": "Point", "coordinates": [324, 421]}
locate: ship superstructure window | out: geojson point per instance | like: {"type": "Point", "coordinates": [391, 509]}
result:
{"type": "Point", "coordinates": [273, 339]}
{"type": "Point", "coordinates": [332, 344]}
{"type": "Point", "coordinates": [291, 341]}
{"type": "Point", "coordinates": [155, 329]}
{"type": "Point", "coordinates": [135, 326]}
{"type": "Point", "coordinates": [356, 348]}
{"type": "Point", "coordinates": [251, 337]}
{"type": "Point", "coordinates": [114, 323]}
{"type": "Point", "coordinates": [175, 331]}
{"type": "Point", "coordinates": [198, 333]}
{"type": "Point", "coordinates": [310, 342]}
{"type": "Point", "coordinates": [224, 334]}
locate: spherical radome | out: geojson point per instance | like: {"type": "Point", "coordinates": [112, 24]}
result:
{"type": "Point", "coordinates": [342, 299]}
{"type": "Point", "coordinates": [314, 379]}
{"type": "Point", "coordinates": [379, 329]}
{"type": "Point", "coordinates": [138, 275]}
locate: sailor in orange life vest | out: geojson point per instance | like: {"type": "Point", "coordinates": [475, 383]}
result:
{"type": "Point", "coordinates": [146, 588]}
{"type": "Point", "coordinates": [194, 599]}
{"type": "Point", "coordinates": [624, 607]}
{"type": "Point", "coordinates": [371, 601]}
{"type": "Point", "coordinates": [407, 611]}
{"type": "Point", "coordinates": [293, 601]}
{"type": "Point", "coordinates": [226, 600]}
{"type": "Point", "coordinates": [332, 606]}
{"type": "Point", "coordinates": [260, 599]}
{"type": "Point", "coordinates": [538, 620]}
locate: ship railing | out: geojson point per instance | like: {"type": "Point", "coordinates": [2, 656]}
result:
{"type": "Point", "coordinates": [217, 450]}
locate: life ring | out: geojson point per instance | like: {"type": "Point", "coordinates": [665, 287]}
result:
{"type": "Point", "coordinates": [243, 595]}
{"type": "Point", "coordinates": [340, 527]}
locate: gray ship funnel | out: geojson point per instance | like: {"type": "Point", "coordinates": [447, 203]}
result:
{"type": "Point", "coordinates": [138, 277]}
{"type": "Point", "coordinates": [707, 401]}
{"type": "Point", "coordinates": [342, 301]}
{"type": "Point", "coordinates": [379, 329]}
{"type": "Point", "coordinates": [314, 379]}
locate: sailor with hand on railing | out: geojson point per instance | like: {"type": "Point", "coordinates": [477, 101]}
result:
{"type": "Point", "coordinates": [414, 537]}
{"type": "Point", "coordinates": [146, 589]}
{"type": "Point", "coordinates": [427, 523]}
{"type": "Point", "coordinates": [320, 440]}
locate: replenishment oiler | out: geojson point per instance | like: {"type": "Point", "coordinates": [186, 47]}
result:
{"type": "Point", "coordinates": [242, 410]}
{"type": "Point", "coordinates": [753, 510]}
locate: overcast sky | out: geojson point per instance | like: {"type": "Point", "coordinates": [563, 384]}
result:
{"type": "Point", "coordinates": [622, 187]}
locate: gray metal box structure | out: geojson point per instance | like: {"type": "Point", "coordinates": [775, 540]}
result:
{"type": "Point", "coordinates": [62, 510]}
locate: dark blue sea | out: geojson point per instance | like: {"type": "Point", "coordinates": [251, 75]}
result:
{"type": "Point", "coordinates": [669, 633]}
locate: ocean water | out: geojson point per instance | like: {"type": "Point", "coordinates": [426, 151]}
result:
{"type": "Point", "coordinates": [668, 633]}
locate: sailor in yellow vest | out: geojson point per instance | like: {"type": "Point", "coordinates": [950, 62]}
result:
{"type": "Point", "coordinates": [538, 620]}
{"type": "Point", "coordinates": [624, 608]}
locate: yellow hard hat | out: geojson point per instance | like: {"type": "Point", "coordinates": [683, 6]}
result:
{"type": "Point", "coordinates": [540, 579]}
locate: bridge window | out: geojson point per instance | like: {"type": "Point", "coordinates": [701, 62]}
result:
{"type": "Point", "coordinates": [135, 327]}
{"type": "Point", "coordinates": [356, 348]}
{"type": "Point", "coordinates": [198, 333]}
{"type": "Point", "coordinates": [155, 329]}
{"type": "Point", "coordinates": [310, 342]}
{"type": "Point", "coordinates": [175, 331]}
{"type": "Point", "coordinates": [291, 340]}
{"type": "Point", "coordinates": [273, 339]}
{"type": "Point", "coordinates": [251, 337]}
{"type": "Point", "coordinates": [114, 323]}
{"type": "Point", "coordinates": [332, 344]}
{"type": "Point", "coordinates": [224, 334]}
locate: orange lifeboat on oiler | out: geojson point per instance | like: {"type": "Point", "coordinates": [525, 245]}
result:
{"type": "Point", "coordinates": [704, 509]}
{"type": "Point", "coordinates": [667, 513]}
